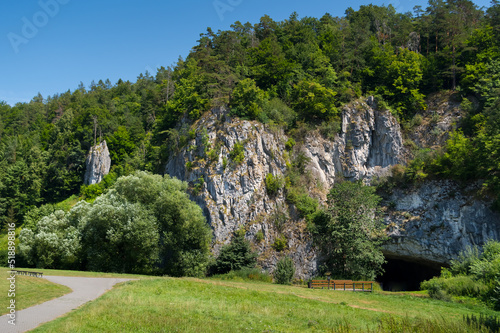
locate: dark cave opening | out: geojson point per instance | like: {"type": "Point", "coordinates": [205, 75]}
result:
{"type": "Point", "coordinates": [406, 275]}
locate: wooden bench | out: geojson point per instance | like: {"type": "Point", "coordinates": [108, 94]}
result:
{"type": "Point", "coordinates": [27, 273]}
{"type": "Point", "coordinates": [342, 285]}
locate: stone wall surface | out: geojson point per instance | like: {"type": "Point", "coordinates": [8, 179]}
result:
{"type": "Point", "coordinates": [434, 222]}
{"type": "Point", "coordinates": [97, 164]}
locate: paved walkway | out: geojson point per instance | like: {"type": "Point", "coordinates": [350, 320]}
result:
{"type": "Point", "coordinates": [84, 290]}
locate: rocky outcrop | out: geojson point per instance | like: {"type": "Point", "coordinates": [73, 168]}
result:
{"type": "Point", "coordinates": [431, 223]}
{"type": "Point", "coordinates": [436, 221]}
{"type": "Point", "coordinates": [370, 141]}
{"type": "Point", "coordinates": [232, 191]}
{"type": "Point", "coordinates": [97, 164]}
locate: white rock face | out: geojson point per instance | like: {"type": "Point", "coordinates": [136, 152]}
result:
{"type": "Point", "coordinates": [369, 143]}
{"type": "Point", "coordinates": [429, 224]}
{"type": "Point", "coordinates": [438, 220]}
{"type": "Point", "coordinates": [97, 164]}
{"type": "Point", "coordinates": [233, 195]}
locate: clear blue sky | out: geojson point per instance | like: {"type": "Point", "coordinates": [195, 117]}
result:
{"type": "Point", "coordinates": [50, 48]}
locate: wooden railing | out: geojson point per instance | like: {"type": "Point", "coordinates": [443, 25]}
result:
{"type": "Point", "coordinates": [342, 285]}
{"type": "Point", "coordinates": [35, 274]}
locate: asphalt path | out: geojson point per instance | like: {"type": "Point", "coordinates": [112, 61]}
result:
{"type": "Point", "coordinates": [84, 290]}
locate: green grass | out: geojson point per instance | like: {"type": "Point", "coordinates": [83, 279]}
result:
{"type": "Point", "coordinates": [59, 272]}
{"type": "Point", "coordinates": [194, 305]}
{"type": "Point", "coordinates": [29, 291]}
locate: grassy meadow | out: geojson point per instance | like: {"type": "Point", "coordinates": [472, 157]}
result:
{"type": "Point", "coordinates": [29, 291]}
{"type": "Point", "coordinates": [211, 305]}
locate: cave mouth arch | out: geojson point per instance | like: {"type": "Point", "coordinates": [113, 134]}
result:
{"type": "Point", "coordinates": [406, 274]}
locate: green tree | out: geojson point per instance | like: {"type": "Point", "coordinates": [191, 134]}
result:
{"type": "Point", "coordinates": [247, 99]}
{"type": "Point", "coordinates": [312, 100]}
{"type": "Point", "coordinates": [348, 233]}
{"type": "Point", "coordinates": [120, 145]}
{"type": "Point", "coordinates": [235, 255]}
{"type": "Point", "coordinates": [285, 270]}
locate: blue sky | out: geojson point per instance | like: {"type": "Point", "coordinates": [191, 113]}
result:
{"type": "Point", "coordinates": [49, 46]}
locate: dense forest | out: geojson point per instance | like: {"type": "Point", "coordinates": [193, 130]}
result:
{"type": "Point", "coordinates": [282, 73]}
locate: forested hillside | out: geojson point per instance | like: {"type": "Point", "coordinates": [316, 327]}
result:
{"type": "Point", "coordinates": [300, 70]}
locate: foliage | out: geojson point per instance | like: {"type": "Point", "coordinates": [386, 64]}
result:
{"type": "Point", "coordinates": [237, 154]}
{"type": "Point", "coordinates": [144, 224]}
{"type": "Point", "coordinates": [278, 112]}
{"type": "Point", "coordinates": [285, 270]}
{"type": "Point", "coordinates": [275, 72]}
{"type": "Point", "coordinates": [274, 184]}
{"type": "Point", "coordinates": [290, 143]}
{"type": "Point", "coordinates": [259, 236]}
{"type": "Point", "coordinates": [314, 101]}
{"type": "Point", "coordinates": [280, 243]}
{"type": "Point", "coordinates": [474, 274]}
{"type": "Point", "coordinates": [234, 256]}
{"type": "Point", "coordinates": [348, 233]}
{"type": "Point", "coordinates": [245, 274]}
{"type": "Point", "coordinates": [247, 99]}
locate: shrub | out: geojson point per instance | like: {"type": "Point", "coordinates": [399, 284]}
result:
{"type": "Point", "coordinates": [245, 274]}
{"type": "Point", "coordinates": [290, 144]}
{"type": "Point", "coordinates": [306, 206]}
{"type": "Point", "coordinates": [279, 218]}
{"type": "Point", "coordinates": [247, 99]}
{"type": "Point", "coordinates": [143, 219]}
{"type": "Point", "coordinates": [235, 256]}
{"type": "Point", "coordinates": [237, 155]}
{"type": "Point", "coordinates": [329, 129]}
{"type": "Point", "coordinates": [274, 184]}
{"type": "Point", "coordinates": [278, 112]}
{"type": "Point", "coordinates": [280, 244]}
{"type": "Point", "coordinates": [416, 120]}
{"type": "Point", "coordinates": [461, 285]}
{"type": "Point", "coordinates": [259, 236]}
{"type": "Point", "coordinates": [285, 269]}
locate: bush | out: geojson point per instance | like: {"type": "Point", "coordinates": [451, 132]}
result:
{"type": "Point", "coordinates": [259, 236]}
{"type": "Point", "coordinates": [457, 285]}
{"type": "Point", "coordinates": [285, 269]}
{"type": "Point", "coordinates": [274, 184]}
{"type": "Point", "coordinates": [235, 256]}
{"type": "Point", "coordinates": [280, 244]}
{"type": "Point", "coordinates": [247, 99]}
{"type": "Point", "coordinates": [278, 112]}
{"type": "Point", "coordinates": [417, 120]}
{"type": "Point", "coordinates": [237, 155]}
{"type": "Point", "coordinates": [245, 274]}
{"type": "Point", "coordinates": [145, 224]}
{"type": "Point", "coordinates": [329, 129]}
{"type": "Point", "coordinates": [290, 144]}
{"type": "Point", "coordinates": [306, 206]}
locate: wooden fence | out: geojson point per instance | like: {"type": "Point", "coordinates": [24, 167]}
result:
{"type": "Point", "coordinates": [342, 285]}
{"type": "Point", "coordinates": [27, 273]}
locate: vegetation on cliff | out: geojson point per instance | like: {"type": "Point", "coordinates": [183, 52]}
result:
{"type": "Point", "coordinates": [295, 74]}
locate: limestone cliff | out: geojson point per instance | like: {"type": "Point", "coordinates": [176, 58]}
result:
{"type": "Point", "coordinates": [437, 220]}
{"type": "Point", "coordinates": [233, 194]}
{"type": "Point", "coordinates": [431, 223]}
{"type": "Point", "coordinates": [370, 141]}
{"type": "Point", "coordinates": [97, 164]}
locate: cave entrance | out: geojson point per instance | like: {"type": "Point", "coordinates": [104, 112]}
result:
{"type": "Point", "coordinates": [406, 275]}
